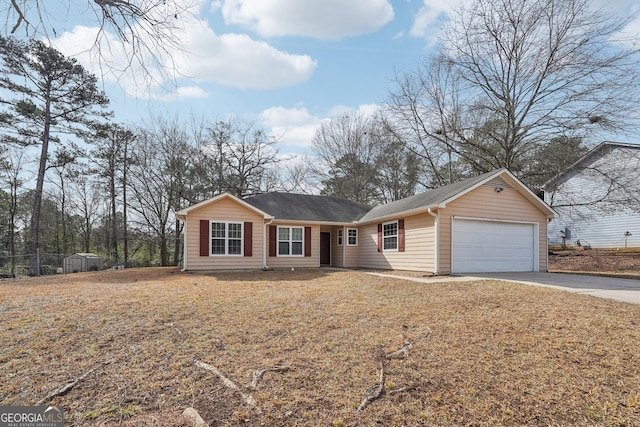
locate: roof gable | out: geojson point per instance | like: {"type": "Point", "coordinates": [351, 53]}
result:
{"type": "Point", "coordinates": [438, 198]}
{"type": "Point", "coordinates": [182, 214]}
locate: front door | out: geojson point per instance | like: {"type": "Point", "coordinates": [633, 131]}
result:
{"type": "Point", "coordinates": [325, 248]}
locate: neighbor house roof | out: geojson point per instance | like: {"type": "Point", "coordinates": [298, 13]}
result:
{"type": "Point", "coordinates": [305, 207]}
{"type": "Point", "coordinates": [597, 152]}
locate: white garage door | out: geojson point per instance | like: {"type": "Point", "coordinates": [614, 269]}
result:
{"type": "Point", "coordinates": [491, 246]}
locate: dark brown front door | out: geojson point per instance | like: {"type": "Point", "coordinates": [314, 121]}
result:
{"type": "Point", "coordinates": [325, 248]}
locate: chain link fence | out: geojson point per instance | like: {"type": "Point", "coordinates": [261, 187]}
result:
{"type": "Point", "coordinates": [18, 265]}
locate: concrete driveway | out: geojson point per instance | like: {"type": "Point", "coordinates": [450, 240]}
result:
{"type": "Point", "coordinates": [627, 290]}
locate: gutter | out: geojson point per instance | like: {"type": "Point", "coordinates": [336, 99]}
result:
{"type": "Point", "coordinates": [436, 221]}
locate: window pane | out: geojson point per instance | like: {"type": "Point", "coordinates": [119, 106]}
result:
{"type": "Point", "coordinates": [217, 247]}
{"type": "Point", "coordinates": [390, 229]}
{"type": "Point", "coordinates": [390, 243]}
{"type": "Point", "coordinates": [352, 236]}
{"type": "Point", "coordinates": [296, 248]}
{"type": "Point", "coordinates": [218, 229]}
{"type": "Point", "coordinates": [296, 233]}
{"type": "Point", "coordinates": [235, 247]}
{"type": "Point", "coordinates": [283, 233]}
{"type": "Point", "coordinates": [235, 231]}
{"type": "Point", "coordinates": [283, 248]}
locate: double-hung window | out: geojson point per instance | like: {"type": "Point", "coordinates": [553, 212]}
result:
{"type": "Point", "coordinates": [390, 236]}
{"type": "Point", "coordinates": [340, 237]}
{"type": "Point", "coordinates": [290, 241]}
{"type": "Point", "coordinates": [352, 237]}
{"type": "Point", "coordinates": [226, 238]}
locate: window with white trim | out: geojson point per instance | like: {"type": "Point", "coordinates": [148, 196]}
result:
{"type": "Point", "coordinates": [290, 241]}
{"type": "Point", "coordinates": [352, 237]}
{"type": "Point", "coordinates": [226, 238]}
{"type": "Point", "coordinates": [390, 236]}
{"type": "Point", "coordinates": [340, 237]}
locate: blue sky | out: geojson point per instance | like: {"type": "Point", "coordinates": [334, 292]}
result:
{"type": "Point", "coordinates": [285, 64]}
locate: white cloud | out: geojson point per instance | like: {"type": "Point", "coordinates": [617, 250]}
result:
{"type": "Point", "coordinates": [324, 20]}
{"type": "Point", "coordinates": [227, 59]}
{"type": "Point", "coordinates": [426, 22]}
{"type": "Point", "coordinates": [294, 126]}
{"type": "Point", "coordinates": [237, 60]}
{"type": "Point", "coordinates": [186, 92]}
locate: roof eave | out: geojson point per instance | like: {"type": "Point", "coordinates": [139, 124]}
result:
{"type": "Point", "coordinates": [315, 222]}
{"type": "Point", "coordinates": [408, 212]}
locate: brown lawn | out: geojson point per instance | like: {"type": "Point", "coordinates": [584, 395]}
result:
{"type": "Point", "coordinates": [494, 354]}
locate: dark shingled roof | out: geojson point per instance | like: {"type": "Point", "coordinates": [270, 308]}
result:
{"type": "Point", "coordinates": [304, 207]}
{"type": "Point", "coordinates": [428, 199]}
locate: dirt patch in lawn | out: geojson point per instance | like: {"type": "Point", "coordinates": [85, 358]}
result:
{"type": "Point", "coordinates": [481, 353]}
{"type": "Point", "coordinates": [620, 263]}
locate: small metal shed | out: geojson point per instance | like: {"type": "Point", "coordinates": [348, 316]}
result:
{"type": "Point", "coordinates": [82, 262]}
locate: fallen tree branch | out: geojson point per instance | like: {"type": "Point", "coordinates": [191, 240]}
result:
{"type": "Point", "coordinates": [373, 392]}
{"type": "Point", "coordinates": [248, 398]}
{"type": "Point", "coordinates": [258, 373]}
{"type": "Point", "coordinates": [426, 334]}
{"type": "Point", "coordinates": [402, 353]}
{"type": "Point", "coordinates": [403, 389]}
{"type": "Point", "coordinates": [67, 387]}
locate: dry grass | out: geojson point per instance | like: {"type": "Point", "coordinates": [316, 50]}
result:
{"type": "Point", "coordinates": [623, 263]}
{"type": "Point", "coordinates": [498, 354]}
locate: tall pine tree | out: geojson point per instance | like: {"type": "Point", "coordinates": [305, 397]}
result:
{"type": "Point", "coordinates": [49, 95]}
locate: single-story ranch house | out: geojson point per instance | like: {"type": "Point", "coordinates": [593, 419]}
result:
{"type": "Point", "coordinates": [489, 223]}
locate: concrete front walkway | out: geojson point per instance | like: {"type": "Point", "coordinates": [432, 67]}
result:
{"type": "Point", "coordinates": [626, 290]}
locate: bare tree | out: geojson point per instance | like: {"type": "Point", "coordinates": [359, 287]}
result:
{"type": "Point", "coordinates": [364, 160]}
{"type": "Point", "coordinates": [513, 74]}
{"type": "Point", "coordinates": [85, 204]}
{"type": "Point", "coordinates": [111, 161]}
{"type": "Point", "coordinates": [12, 165]}
{"type": "Point", "coordinates": [148, 29]}
{"type": "Point", "coordinates": [297, 175]}
{"type": "Point", "coordinates": [238, 158]}
{"type": "Point", "coordinates": [347, 154]}
{"type": "Point", "coordinates": [162, 156]}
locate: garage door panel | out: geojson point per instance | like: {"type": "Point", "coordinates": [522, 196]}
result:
{"type": "Point", "coordinates": [492, 246]}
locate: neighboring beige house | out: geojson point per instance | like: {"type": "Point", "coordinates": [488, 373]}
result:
{"type": "Point", "coordinates": [489, 223]}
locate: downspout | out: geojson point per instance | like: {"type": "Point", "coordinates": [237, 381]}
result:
{"type": "Point", "coordinates": [344, 247]}
{"type": "Point", "coordinates": [184, 246]}
{"type": "Point", "coordinates": [264, 244]}
{"type": "Point", "coordinates": [436, 222]}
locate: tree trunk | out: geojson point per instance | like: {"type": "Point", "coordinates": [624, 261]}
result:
{"type": "Point", "coordinates": [34, 268]}
{"type": "Point", "coordinates": [164, 255]}
{"type": "Point", "coordinates": [114, 216]}
{"type": "Point", "coordinates": [125, 234]}
{"type": "Point", "coordinates": [12, 228]}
